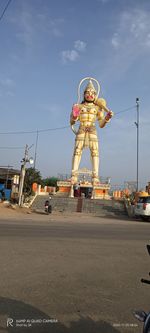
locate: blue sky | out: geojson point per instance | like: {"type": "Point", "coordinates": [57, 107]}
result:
{"type": "Point", "coordinates": [46, 48]}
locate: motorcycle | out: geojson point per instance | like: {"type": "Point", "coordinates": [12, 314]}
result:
{"type": "Point", "coordinates": [48, 207]}
{"type": "Point", "coordinates": [142, 315]}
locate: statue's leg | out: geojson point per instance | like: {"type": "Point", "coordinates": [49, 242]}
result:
{"type": "Point", "coordinates": [94, 157]}
{"type": "Point", "coordinates": [77, 157]}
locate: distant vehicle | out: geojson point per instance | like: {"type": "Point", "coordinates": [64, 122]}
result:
{"type": "Point", "coordinates": [142, 207]}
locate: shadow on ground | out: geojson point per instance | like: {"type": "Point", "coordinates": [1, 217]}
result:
{"type": "Point", "coordinates": [14, 311]}
{"type": "Point", "coordinates": [115, 217]}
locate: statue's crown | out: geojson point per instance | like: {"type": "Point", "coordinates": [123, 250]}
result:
{"type": "Point", "coordinates": [90, 86]}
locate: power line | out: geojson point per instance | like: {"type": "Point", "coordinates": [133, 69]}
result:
{"type": "Point", "coordinates": [11, 147]}
{"type": "Point", "coordinates": [56, 128]}
{"type": "Point", "coordinates": [125, 110]}
{"type": "Point", "coordinates": [52, 129]}
{"type": "Point", "coordinates": [35, 131]}
{"type": "Point", "coordinates": [6, 7]}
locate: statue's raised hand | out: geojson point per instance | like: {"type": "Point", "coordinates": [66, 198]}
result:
{"type": "Point", "coordinates": [109, 115]}
{"type": "Point", "coordinates": [75, 111]}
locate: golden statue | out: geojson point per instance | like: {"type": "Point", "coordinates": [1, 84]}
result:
{"type": "Point", "coordinates": [87, 112]}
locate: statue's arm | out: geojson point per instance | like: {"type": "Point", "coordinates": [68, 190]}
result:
{"type": "Point", "coordinates": [102, 119]}
{"type": "Point", "coordinates": [75, 114]}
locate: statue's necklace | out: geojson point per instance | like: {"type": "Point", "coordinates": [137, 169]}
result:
{"type": "Point", "coordinates": [89, 106]}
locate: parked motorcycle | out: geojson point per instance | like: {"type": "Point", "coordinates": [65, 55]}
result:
{"type": "Point", "coordinates": [142, 315]}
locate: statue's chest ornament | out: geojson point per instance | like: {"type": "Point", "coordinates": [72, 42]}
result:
{"type": "Point", "coordinates": [88, 109]}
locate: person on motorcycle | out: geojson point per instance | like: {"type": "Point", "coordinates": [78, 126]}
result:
{"type": "Point", "coordinates": [48, 207]}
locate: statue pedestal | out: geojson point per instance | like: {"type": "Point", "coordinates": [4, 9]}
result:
{"type": "Point", "coordinates": [65, 188]}
{"type": "Point", "coordinates": [86, 189]}
{"type": "Point", "coordinates": [100, 191]}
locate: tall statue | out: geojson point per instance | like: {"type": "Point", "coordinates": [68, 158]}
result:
{"type": "Point", "coordinates": [86, 113]}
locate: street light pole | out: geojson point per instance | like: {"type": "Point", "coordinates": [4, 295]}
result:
{"type": "Point", "coordinates": [137, 126]}
{"type": "Point", "coordinates": [23, 170]}
{"type": "Point", "coordinates": [25, 160]}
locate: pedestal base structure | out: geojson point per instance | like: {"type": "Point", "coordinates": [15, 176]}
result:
{"type": "Point", "coordinates": [84, 189]}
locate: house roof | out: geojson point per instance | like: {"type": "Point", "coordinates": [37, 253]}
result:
{"type": "Point", "coordinates": [8, 172]}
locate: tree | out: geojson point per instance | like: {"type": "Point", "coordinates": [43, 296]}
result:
{"type": "Point", "coordinates": [32, 176]}
{"type": "Point", "coordinates": [50, 181]}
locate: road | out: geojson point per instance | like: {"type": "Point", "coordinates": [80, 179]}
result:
{"type": "Point", "coordinates": [72, 274]}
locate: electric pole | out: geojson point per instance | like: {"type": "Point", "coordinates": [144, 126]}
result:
{"type": "Point", "coordinates": [36, 144]}
{"type": "Point", "coordinates": [22, 175]}
{"type": "Point", "coordinates": [137, 159]}
{"type": "Point", "coordinates": [23, 171]}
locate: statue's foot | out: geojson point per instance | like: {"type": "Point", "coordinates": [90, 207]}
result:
{"type": "Point", "coordinates": [74, 178]}
{"type": "Point", "coordinates": [95, 180]}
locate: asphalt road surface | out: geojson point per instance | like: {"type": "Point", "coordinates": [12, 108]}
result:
{"type": "Point", "coordinates": [72, 274]}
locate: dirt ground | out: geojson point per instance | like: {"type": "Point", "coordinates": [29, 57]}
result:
{"type": "Point", "coordinates": [14, 213]}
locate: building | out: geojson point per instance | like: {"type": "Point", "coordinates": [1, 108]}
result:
{"type": "Point", "coordinates": [9, 182]}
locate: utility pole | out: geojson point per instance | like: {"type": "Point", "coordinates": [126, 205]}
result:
{"type": "Point", "coordinates": [36, 144]}
{"type": "Point", "coordinates": [23, 171]}
{"type": "Point", "coordinates": [137, 160]}
{"type": "Point", "coordinates": [7, 177]}
{"type": "Point", "coordinates": [22, 175]}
